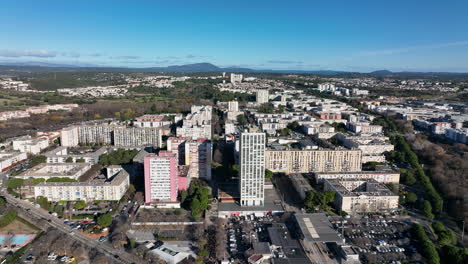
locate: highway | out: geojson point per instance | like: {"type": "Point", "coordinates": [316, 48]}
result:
{"type": "Point", "coordinates": [28, 208]}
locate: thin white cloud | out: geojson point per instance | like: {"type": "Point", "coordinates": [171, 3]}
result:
{"type": "Point", "coordinates": [412, 48]}
{"type": "Point", "coordinates": [28, 53]}
{"type": "Point", "coordinates": [284, 62]}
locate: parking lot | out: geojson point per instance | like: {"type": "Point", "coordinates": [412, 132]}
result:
{"type": "Point", "coordinates": [378, 239]}
{"type": "Point", "coordinates": [242, 232]}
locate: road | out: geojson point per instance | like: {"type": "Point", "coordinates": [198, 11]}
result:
{"type": "Point", "coordinates": [115, 255]}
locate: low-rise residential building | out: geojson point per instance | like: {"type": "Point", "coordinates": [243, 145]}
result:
{"type": "Point", "coordinates": [30, 145]}
{"type": "Point", "coordinates": [301, 184]}
{"type": "Point", "coordinates": [111, 189]}
{"type": "Point", "coordinates": [361, 195]}
{"type": "Point", "coordinates": [9, 159]}
{"type": "Point", "coordinates": [170, 254]}
{"type": "Point", "coordinates": [380, 176]}
{"type": "Point", "coordinates": [55, 170]}
{"type": "Point", "coordinates": [364, 128]}
{"type": "Point", "coordinates": [64, 154]}
{"type": "Point", "coordinates": [457, 135]}
{"type": "Point", "coordinates": [372, 146]}
{"type": "Point", "coordinates": [152, 121]}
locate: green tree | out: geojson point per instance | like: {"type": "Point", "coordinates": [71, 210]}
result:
{"type": "Point", "coordinates": [294, 126]}
{"type": "Point", "coordinates": [79, 205]}
{"type": "Point", "coordinates": [38, 159]}
{"type": "Point", "coordinates": [15, 183]}
{"type": "Point", "coordinates": [153, 109]}
{"type": "Point", "coordinates": [104, 220]}
{"type": "Point", "coordinates": [427, 209]}
{"type": "Point", "coordinates": [195, 208]}
{"type": "Point", "coordinates": [425, 245]}
{"type": "Point", "coordinates": [241, 120]}
{"type": "Point", "coordinates": [268, 174]}
{"type": "Point", "coordinates": [69, 160]}
{"type": "Point", "coordinates": [183, 196]}
{"type": "Point", "coordinates": [3, 202]}
{"type": "Point", "coordinates": [411, 198]}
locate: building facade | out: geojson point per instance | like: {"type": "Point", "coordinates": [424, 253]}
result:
{"type": "Point", "coordinates": [160, 178]}
{"type": "Point", "coordinates": [109, 190]}
{"type": "Point", "coordinates": [262, 96]}
{"type": "Point", "coordinates": [252, 169]}
{"type": "Point", "coordinates": [306, 161]}
{"type": "Point", "coordinates": [137, 137]}
{"type": "Point", "coordinates": [355, 196]}
{"type": "Point", "coordinates": [9, 159]}
{"type": "Point", "coordinates": [69, 137]}
{"type": "Point", "coordinates": [30, 145]}
{"type": "Point", "coordinates": [380, 176]}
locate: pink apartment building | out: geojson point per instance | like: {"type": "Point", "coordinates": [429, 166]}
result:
{"type": "Point", "coordinates": [161, 178]}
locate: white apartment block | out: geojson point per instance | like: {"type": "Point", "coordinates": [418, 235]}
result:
{"type": "Point", "coordinates": [229, 128]}
{"type": "Point", "coordinates": [59, 170]}
{"type": "Point", "coordinates": [307, 161]}
{"type": "Point", "coordinates": [195, 132]}
{"type": "Point", "coordinates": [13, 115]}
{"type": "Point", "coordinates": [61, 154]}
{"type": "Point", "coordinates": [355, 196]}
{"type": "Point", "coordinates": [373, 147]}
{"type": "Point", "coordinates": [379, 176]}
{"type": "Point", "coordinates": [30, 145]}
{"type": "Point", "coordinates": [112, 189]}
{"type": "Point", "coordinates": [152, 121]}
{"type": "Point", "coordinates": [137, 137]}
{"type": "Point", "coordinates": [103, 134]}
{"type": "Point", "coordinates": [364, 128]}
{"type": "Point", "coordinates": [233, 106]}
{"type": "Point", "coordinates": [236, 78]}
{"type": "Point", "coordinates": [8, 159]}
{"type": "Point", "coordinates": [197, 124]}
{"type": "Point", "coordinates": [262, 96]}
{"type": "Point", "coordinates": [196, 154]}
{"type": "Point", "coordinates": [8, 83]}
{"type": "Point", "coordinates": [198, 158]}
{"type": "Point", "coordinates": [69, 137]}
{"type": "Point", "coordinates": [252, 169]}
{"type": "Point", "coordinates": [326, 87]}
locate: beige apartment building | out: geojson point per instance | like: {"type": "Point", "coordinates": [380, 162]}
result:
{"type": "Point", "coordinates": [306, 161]}
{"type": "Point", "coordinates": [380, 176]}
{"type": "Point", "coordinates": [355, 196]}
{"type": "Point", "coordinates": [112, 189]}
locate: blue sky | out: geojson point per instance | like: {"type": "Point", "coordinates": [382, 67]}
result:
{"type": "Point", "coordinates": [413, 35]}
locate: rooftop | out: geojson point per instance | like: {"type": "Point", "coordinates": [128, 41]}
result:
{"type": "Point", "coordinates": [317, 228]}
{"type": "Point", "coordinates": [55, 170]}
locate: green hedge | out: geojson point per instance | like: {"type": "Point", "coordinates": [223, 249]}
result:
{"type": "Point", "coordinates": [424, 180]}
{"type": "Point", "coordinates": [425, 245]}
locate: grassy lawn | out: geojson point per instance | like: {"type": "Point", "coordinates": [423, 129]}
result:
{"type": "Point", "coordinates": [19, 226]}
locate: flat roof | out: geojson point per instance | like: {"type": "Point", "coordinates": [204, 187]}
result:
{"type": "Point", "coordinates": [262, 248]}
{"type": "Point", "coordinates": [280, 236]}
{"type": "Point", "coordinates": [317, 228]}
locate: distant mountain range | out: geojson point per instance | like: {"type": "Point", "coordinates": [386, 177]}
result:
{"type": "Point", "coordinates": [200, 67]}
